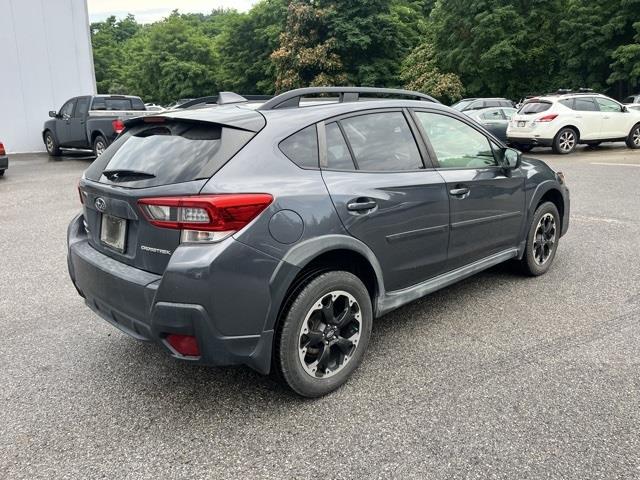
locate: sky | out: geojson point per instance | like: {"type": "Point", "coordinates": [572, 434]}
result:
{"type": "Point", "coordinates": [147, 11]}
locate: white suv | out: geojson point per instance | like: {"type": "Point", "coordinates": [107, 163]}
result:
{"type": "Point", "coordinates": [564, 120]}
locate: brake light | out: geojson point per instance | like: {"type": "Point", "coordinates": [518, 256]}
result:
{"type": "Point", "coordinates": [205, 218]}
{"type": "Point", "coordinates": [2, 150]}
{"type": "Point", "coordinates": [118, 126]}
{"type": "Point", "coordinates": [547, 118]}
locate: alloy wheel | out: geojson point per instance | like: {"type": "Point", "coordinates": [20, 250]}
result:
{"type": "Point", "coordinates": [544, 239]}
{"type": "Point", "coordinates": [49, 143]}
{"type": "Point", "coordinates": [567, 141]}
{"type": "Point", "coordinates": [330, 334]}
{"type": "Point", "coordinates": [636, 137]}
{"type": "Point", "coordinates": [100, 148]}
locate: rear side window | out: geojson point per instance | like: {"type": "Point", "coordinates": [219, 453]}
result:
{"type": "Point", "coordinates": [382, 142]}
{"type": "Point", "coordinates": [161, 154]}
{"type": "Point", "coordinates": [567, 102]}
{"type": "Point", "coordinates": [338, 155]}
{"type": "Point", "coordinates": [584, 105]}
{"type": "Point", "coordinates": [82, 107]}
{"type": "Point", "coordinates": [531, 108]}
{"type": "Point", "coordinates": [492, 103]}
{"type": "Point", "coordinates": [137, 104]}
{"type": "Point", "coordinates": [302, 147]}
{"type": "Point", "coordinates": [505, 103]}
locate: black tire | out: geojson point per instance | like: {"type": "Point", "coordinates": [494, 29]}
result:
{"type": "Point", "coordinates": [531, 261]}
{"type": "Point", "coordinates": [51, 144]}
{"type": "Point", "coordinates": [633, 139]}
{"type": "Point", "coordinates": [565, 141]}
{"type": "Point", "coordinates": [307, 310]}
{"type": "Point", "coordinates": [2, 172]}
{"type": "Point", "coordinates": [99, 145]}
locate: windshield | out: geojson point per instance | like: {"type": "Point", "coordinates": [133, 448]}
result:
{"type": "Point", "coordinates": [461, 104]}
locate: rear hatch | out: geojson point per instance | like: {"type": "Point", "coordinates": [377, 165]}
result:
{"type": "Point", "coordinates": [168, 155]}
{"type": "Point", "coordinates": [524, 119]}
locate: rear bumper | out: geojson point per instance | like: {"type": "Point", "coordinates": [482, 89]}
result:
{"type": "Point", "coordinates": [4, 162]}
{"type": "Point", "coordinates": [530, 140]}
{"type": "Point", "coordinates": [149, 307]}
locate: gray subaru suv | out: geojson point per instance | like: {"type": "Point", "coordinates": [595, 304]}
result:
{"type": "Point", "coordinates": [271, 235]}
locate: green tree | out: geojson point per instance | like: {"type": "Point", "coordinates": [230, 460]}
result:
{"type": "Point", "coordinates": [420, 72]}
{"type": "Point", "coordinates": [306, 55]}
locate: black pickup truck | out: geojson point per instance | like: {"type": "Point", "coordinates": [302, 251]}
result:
{"type": "Point", "coordinates": [89, 122]}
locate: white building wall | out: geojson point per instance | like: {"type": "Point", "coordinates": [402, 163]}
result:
{"type": "Point", "coordinates": [45, 58]}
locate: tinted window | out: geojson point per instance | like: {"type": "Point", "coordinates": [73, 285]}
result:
{"type": "Point", "coordinates": [461, 104]}
{"type": "Point", "coordinates": [382, 142]}
{"type": "Point", "coordinates": [456, 144]}
{"type": "Point", "coordinates": [584, 105]}
{"type": "Point", "coordinates": [173, 152]}
{"type": "Point", "coordinates": [110, 103]}
{"type": "Point", "coordinates": [629, 100]}
{"type": "Point", "coordinates": [302, 147]}
{"type": "Point", "coordinates": [531, 108]}
{"type": "Point", "coordinates": [82, 107]}
{"type": "Point", "coordinates": [492, 103]}
{"type": "Point", "coordinates": [67, 108]}
{"type": "Point", "coordinates": [338, 156]}
{"type": "Point", "coordinates": [607, 105]}
{"type": "Point", "coordinates": [505, 103]}
{"type": "Point", "coordinates": [137, 104]}
{"type": "Point", "coordinates": [568, 102]}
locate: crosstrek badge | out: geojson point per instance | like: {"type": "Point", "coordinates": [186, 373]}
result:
{"type": "Point", "coordinates": [155, 250]}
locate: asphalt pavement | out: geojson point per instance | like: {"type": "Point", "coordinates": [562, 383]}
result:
{"type": "Point", "coordinates": [499, 376]}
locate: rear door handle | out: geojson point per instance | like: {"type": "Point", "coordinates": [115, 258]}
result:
{"type": "Point", "coordinates": [361, 204]}
{"type": "Point", "coordinates": [458, 192]}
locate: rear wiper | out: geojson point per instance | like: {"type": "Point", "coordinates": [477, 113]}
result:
{"type": "Point", "coordinates": [127, 175]}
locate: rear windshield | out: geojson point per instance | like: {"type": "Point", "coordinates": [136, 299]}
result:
{"type": "Point", "coordinates": [178, 151]}
{"type": "Point", "coordinates": [111, 103]}
{"type": "Point", "coordinates": [530, 108]}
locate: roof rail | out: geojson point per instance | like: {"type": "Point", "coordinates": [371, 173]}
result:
{"type": "Point", "coordinates": [569, 91]}
{"type": "Point", "coordinates": [223, 98]}
{"type": "Point", "coordinates": [346, 94]}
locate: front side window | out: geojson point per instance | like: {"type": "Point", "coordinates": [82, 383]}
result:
{"type": "Point", "coordinates": [584, 105]}
{"type": "Point", "coordinates": [455, 143]}
{"type": "Point", "coordinates": [67, 108]}
{"type": "Point", "coordinates": [302, 147]}
{"type": "Point", "coordinates": [607, 105]}
{"type": "Point", "coordinates": [492, 115]}
{"type": "Point", "coordinates": [382, 142]}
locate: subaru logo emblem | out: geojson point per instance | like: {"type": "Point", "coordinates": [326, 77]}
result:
{"type": "Point", "coordinates": [100, 204]}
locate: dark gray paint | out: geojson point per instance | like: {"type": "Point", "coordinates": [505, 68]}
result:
{"type": "Point", "coordinates": [416, 239]}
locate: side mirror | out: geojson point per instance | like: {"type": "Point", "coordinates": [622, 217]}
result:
{"type": "Point", "coordinates": [624, 108]}
{"type": "Point", "coordinates": [53, 114]}
{"type": "Point", "coordinates": [511, 158]}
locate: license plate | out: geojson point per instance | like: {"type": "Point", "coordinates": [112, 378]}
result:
{"type": "Point", "coordinates": [522, 124]}
{"type": "Point", "coordinates": [113, 232]}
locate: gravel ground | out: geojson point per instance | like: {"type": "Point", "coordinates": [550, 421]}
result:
{"type": "Point", "coordinates": [499, 376]}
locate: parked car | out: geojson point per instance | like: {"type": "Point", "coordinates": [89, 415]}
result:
{"type": "Point", "coordinates": [478, 103]}
{"type": "Point", "coordinates": [283, 231]}
{"type": "Point", "coordinates": [152, 107]}
{"type": "Point", "coordinates": [4, 160]}
{"type": "Point", "coordinates": [494, 120]}
{"type": "Point", "coordinates": [89, 122]}
{"type": "Point", "coordinates": [633, 99]}
{"type": "Point", "coordinates": [562, 121]}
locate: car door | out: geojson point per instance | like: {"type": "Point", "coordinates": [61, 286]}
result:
{"type": "Point", "coordinates": [77, 125]}
{"type": "Point", "coordinates": [486, 202]}
{"type": "Point", "coordinates": [63, 123]}
{"type": "Point", "coordinates": [588, 118]}
{"type": "Point", "coordinates": [614, 120]}
{"type": "Point", "coordinates": [387, 193]}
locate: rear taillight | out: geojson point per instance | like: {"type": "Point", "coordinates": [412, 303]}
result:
{"type": "Point", "coordinates": [547, 118]}
{"type": "Point", "coordinates": [2, 150]}
{"type": "Point", "coordinates": [186, 345]}
{"type": "Point", "coordinates": [118, 126]}
{"type": "Point", "coordinates": [205, 218]}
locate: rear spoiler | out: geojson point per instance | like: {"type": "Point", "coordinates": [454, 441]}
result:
{"type": "Point", "coordinates": [238, 118]}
